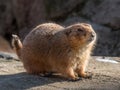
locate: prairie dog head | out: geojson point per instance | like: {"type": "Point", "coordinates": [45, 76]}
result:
{"type": "Point", "coordinates": [80, 35]}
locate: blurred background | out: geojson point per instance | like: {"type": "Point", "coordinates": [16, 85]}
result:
{"type": "Point", "coordinates": [21, 16]}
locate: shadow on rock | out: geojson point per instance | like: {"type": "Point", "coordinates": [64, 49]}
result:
{"type": "Point", "coordinates": [25, 81]}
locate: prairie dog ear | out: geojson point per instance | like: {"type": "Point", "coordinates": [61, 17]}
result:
{"type": "Point", "coordinates": [67, 32]}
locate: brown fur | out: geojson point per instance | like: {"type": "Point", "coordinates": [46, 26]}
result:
{"type": "Point", "coordinates": [53, 48]}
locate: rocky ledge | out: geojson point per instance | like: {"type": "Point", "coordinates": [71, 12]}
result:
{"type": "Point", "coordinates": [106, 76]}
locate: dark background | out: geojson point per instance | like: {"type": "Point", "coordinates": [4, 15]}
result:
{"type": "Point", "coordinates": [21, 16]}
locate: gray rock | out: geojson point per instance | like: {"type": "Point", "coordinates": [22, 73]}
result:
{"type": "Point", "coordinates": [105, 12]}
{"type": "Point", "coordinates": [5, 17]}
{"type": "Point", "coordinates": [8, 56]}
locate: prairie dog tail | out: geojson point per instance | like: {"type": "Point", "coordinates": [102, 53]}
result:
{"type": "Point", "coordinates": [17, 44]}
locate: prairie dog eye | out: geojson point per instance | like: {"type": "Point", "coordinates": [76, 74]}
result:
{"type": "Point", "coordinates": [80, 30]}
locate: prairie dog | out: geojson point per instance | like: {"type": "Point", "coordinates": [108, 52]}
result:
{"type": "Point", "coordinates": [52, 48]}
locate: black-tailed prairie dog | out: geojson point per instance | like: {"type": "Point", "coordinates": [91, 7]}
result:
{"type": "Point", "coordinates": [52, 48]}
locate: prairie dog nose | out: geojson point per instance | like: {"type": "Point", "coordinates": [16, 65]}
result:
{"type": "Point", "coordinates": [92, 34]}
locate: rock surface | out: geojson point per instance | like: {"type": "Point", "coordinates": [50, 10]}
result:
{"type": "Point", "coordinates": [5, 46]}
{"type": "Point", "coordinates": [104, 12]}
{"type": "Point", "coordinates": [106, 76]}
